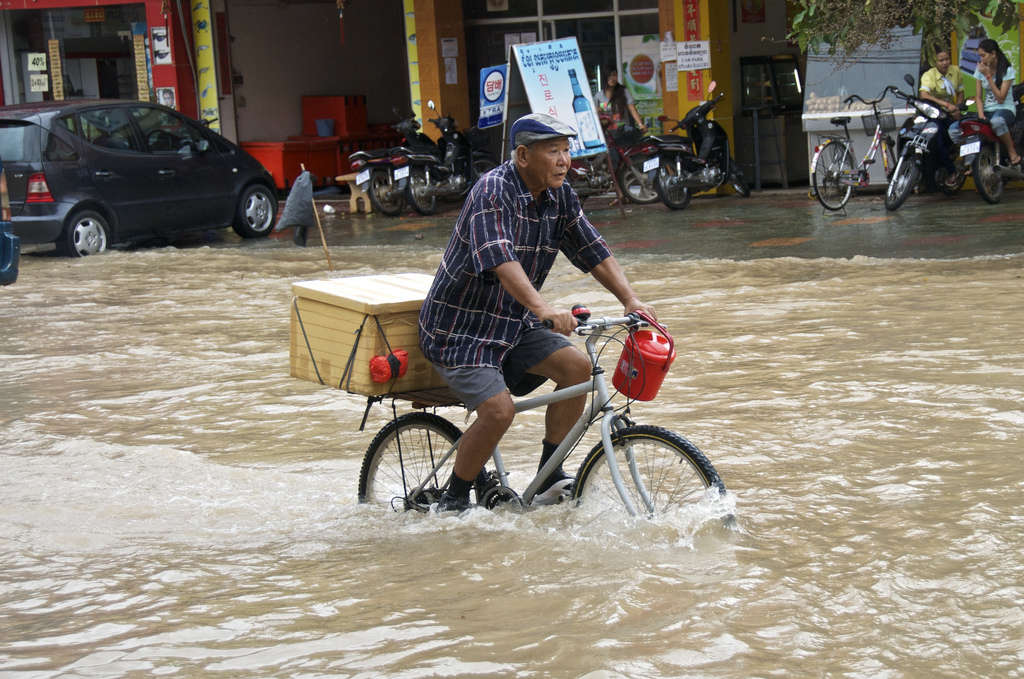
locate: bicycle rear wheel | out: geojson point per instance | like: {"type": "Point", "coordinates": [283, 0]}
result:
{"type": "Point", "coordinates": [833, 165]}
{"type": "Point", "coordinates": [403, 455]}
{"type": "Point", "coordinates": [675, 473]}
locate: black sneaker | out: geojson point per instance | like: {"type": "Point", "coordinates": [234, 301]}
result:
{"type": "Point", "coordinates": [484, 481]}
{"type": "Point", "coordinates": [449, 504]}
{"type": "Point", "coordinates": [555, 488]}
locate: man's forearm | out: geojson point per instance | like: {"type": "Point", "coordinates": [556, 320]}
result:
{"type": "Point", "coordinates": [609, 274]}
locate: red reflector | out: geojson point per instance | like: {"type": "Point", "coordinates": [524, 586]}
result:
{"type": "Point", "coordinates": [38, 189]}
{"type": "Point", "coordinates": [399, 160]}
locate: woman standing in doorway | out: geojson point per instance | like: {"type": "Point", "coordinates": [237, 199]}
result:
{"type": "Point", "coordinates": [615, 100]}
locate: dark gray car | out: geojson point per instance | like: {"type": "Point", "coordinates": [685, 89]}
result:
{"type": "Point", "coordinates": [88, 174]}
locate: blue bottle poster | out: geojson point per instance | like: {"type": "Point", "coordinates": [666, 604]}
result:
{"type": "Point", "coordinates": [556, 83]}
{"type": "Point", "coordinates": [493, 86]}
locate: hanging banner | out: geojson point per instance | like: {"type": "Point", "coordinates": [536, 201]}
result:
{"type": "Point", "coordinates": [56, 69]}
{"type": "Point", "coordinates": [492, 96]}
{"type": "Point", "coordinates": [691, 33]}
{"type": "Point", "coordinates": [641, 57]}
{"type": "Point", "coordinates": [209, 103]}
{"type": "Point", "coordinates": [556, 83]}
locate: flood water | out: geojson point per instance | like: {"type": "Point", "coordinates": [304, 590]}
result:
{"type": "Point", "coordinates": [173, 503]}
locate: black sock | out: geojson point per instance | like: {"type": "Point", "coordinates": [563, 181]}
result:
{"type": "Point", "coordinates": [549, 450]}
{"type": "Point", "coordinates": [458, 487]}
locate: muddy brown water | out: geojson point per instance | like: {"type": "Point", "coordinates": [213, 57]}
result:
{"type": "Point", "coordinates": [172, 502]}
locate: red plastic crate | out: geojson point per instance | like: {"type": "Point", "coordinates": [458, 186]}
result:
{"type": "Point", "coordinates": [347, 111]}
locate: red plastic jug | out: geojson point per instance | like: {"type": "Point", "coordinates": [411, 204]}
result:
{"type": "Point", "coordinates": [644, 362]}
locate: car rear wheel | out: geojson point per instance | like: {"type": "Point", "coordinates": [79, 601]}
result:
{"type": "Point", "coordinates": [86, 233]}
{"type": "Point", "coordinates": [257, 208]}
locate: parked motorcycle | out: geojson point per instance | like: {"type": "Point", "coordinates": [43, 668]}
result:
{"type": "Point", "coordinates": [451, 168]}
{"type": "Point", "coordinates": [628, 151]}
{"type": "Point", "coordinates": [981, 148]}
{"type": "Point", "coordinates": [697, 162]}
{"type": "Point", "coordinates": [919, 151]}
{"type": "Point", "coordinates": [383, 173]}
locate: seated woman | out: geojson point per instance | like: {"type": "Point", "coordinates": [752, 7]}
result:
{"type": "Point", "coordinates": [994, 78]}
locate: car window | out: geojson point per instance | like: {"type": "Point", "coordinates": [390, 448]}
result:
{"type": "Point", "coordinates": [165, 132]}
{"type": "Point", "coordinates": [108, 127]}
{"type": "Point", "coordinates": [58, 149]}
{"type": "Point", "coordinates": [19, 141]}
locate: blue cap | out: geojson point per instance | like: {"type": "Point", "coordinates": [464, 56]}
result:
{"type": "Point", "coordinates": [538, 127]}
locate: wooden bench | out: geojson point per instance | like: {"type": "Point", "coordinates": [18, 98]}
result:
{"type": "Point", "coordinates": [359, 201]}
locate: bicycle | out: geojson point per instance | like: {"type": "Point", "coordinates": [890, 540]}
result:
{"type": "Point", "coordinates": [408, 463]}
{"type": "Point", "coordinates": [833, 175]}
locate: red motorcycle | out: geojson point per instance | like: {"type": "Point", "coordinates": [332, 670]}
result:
{"type": "Point", "coordinates": [628, 151]}
{"type": "Point", "coordinates": [981, 149]}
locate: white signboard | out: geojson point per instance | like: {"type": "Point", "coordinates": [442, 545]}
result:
{"type": "Point", "coordinates": [556, 83]}
{"type": "Point", "coordinates": [39, 82]}
{"type": "Point", "coordinates": [37, 61]}
{"type": "Point", "coordinates": [694, 55]}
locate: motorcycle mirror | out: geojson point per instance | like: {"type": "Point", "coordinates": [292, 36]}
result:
{"type": "Point", "coordinates": [909, 79]}
{"type": "Point", "coordinates": [711, 86]}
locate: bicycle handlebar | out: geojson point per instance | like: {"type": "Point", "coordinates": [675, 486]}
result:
{"type": "Point", "coordinates": [886, 90]}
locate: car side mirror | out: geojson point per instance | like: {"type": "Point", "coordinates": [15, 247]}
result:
{"type": "Point", "coordinates": [203, 146]}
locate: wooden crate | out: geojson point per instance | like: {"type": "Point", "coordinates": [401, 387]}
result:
{"type": "Point", "coordinates": [333, 311]}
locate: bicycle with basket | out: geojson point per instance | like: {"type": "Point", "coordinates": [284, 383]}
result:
{"type": "Point", "coordinates": [369, 347]}
{"type": "Point", "coordinates": [833, 174]}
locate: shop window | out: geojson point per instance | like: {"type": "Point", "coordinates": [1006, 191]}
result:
{"type": "Point", "coordinates": [499, 9]}
{"type": "Point", "coordinates": [576, 6]}
{"type": "Point", "coordinates": [108, 127]}
{"type": "Point", "coordinates": [638, 24]}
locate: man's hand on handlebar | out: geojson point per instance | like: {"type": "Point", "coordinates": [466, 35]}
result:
{"type": "Point", "coordinates": [636, 305]}
{"type": "Point", "coordinates": [562, 322]}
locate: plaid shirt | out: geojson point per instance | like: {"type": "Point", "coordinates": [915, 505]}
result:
{"type": "Point", "coordinates": [468, 319]}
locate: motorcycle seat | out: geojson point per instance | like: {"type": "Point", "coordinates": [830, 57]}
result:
{"type": "Point", "coordinates": [371, 153]}
{"type": "Point", "coordinates": [669, 139]}
{"type": "Point", "coordinates": [841, 120]}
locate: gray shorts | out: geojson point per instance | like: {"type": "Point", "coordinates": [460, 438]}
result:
{"type": "Point", "coordinates": [474, 385]}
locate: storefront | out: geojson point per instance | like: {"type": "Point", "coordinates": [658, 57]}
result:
{"type": "Point", "coordinates": [601, 28]}
{"type": "Point", "coordinates": [60, 49]}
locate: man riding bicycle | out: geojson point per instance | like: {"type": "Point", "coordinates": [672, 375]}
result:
{"type": "Point", "coordinates": [482, 323]}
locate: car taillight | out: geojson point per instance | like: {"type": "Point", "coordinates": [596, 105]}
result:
{"type": "Point", "coordinates": [38, 189]}
{"type": "Point", "coordinates": [398, 161]}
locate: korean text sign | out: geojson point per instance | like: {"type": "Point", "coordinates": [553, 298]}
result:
{"type": "Point", "coordinates": [556, 84]}
{"type": "Point", "coordinates": [493, 80]}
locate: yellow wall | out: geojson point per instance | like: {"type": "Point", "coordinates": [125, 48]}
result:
{"type": "Point", "coordinates": [713, 27]}
{"type": "Point", "coordinates": [437, 19]}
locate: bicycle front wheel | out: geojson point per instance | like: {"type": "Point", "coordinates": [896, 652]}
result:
{"type": "Point", "coordinates": [402, 456]}
{"type": "Point", "coordinates": [673, 471]}
{"type": "Point", "coordinates": [831, 175]}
